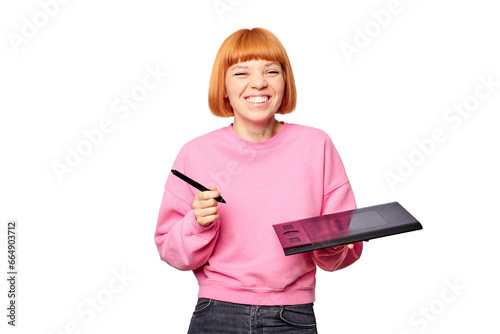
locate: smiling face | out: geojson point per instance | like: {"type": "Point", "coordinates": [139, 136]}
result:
{"type": "Point", "coordinates": [255, 90]}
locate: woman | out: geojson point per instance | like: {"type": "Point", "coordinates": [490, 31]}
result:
{"type": "Point", "coordinates": [268, 172]}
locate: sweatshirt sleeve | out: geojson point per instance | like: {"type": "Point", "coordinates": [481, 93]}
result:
{"type": "Point", "coordinates": [180, 240]}
{"type": "Point", "coordinates": [338, 197]}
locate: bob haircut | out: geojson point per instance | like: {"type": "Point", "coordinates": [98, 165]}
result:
{"type": "Point", "coordinates": [245, 45]}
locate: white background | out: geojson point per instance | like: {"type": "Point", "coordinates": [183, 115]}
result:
{"type": "Point", "coordinates": [76, 234]}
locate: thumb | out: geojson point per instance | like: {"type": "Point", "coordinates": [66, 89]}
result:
{"type": "Point", "coordinates": [213, 188]}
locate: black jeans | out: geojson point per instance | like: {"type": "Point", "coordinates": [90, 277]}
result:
{"type": "Point", "coordinates": [213, 316]}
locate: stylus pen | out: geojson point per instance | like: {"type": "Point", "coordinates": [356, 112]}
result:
{"type": "Point", "coordinates": [195, 184]}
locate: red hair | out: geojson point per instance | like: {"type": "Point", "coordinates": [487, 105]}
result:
{"type": "Point", "coordinates": [245, 45]}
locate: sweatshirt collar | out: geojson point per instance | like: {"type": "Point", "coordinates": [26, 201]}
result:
{"type": "Point", "coordinates": [275, 140]}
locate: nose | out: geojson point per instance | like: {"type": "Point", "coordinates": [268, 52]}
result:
{"type": "Point", "coordinates": [258, 82]}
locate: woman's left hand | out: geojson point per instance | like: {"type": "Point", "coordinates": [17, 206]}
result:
{"type": "Point", "coordinates": [350, 246]}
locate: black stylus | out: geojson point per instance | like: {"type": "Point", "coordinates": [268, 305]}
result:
{"type": "Point", "coordinates": [195, 184]}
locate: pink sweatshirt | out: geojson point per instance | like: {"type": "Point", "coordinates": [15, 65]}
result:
{"type": "Point", "coordinates": [296, 174]}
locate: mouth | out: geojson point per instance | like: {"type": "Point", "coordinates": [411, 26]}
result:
{"type": "Point", "coordinates": [260, 99]}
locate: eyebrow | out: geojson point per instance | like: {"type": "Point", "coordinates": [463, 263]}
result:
{"type": "Point", "coordinates": [246, 67]}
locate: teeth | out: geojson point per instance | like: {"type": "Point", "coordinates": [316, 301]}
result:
{"type": "Point", "coordinates": [257, 99]}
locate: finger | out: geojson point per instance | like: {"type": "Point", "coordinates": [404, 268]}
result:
{"type": "Point", "coordinates": [207, 220]}
{"type": "Point", "coordinates": [350, 246]}
{"type": "Point", "coordinates": [204, 204]}
{"type": "Point", "coordinates": [206, 212]}
{"type": "Point", "coordinates": [206, 195]}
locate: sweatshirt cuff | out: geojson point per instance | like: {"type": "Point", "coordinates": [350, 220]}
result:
{"type": "Point", "coordinates": [329, 251]}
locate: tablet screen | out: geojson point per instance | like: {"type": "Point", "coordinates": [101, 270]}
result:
{"type": "Point", "coordinates": [335, 226]}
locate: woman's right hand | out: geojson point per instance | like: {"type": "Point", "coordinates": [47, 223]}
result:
{"type": "Point", "coordinates": [205, 206]}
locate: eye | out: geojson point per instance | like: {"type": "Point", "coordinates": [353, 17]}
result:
{"type": "Point", "coordinates": [239, 74]}
{"type": "Point", "coordinates": [273, 72]}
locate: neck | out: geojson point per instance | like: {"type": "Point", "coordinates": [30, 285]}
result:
{"type": "Point", "coordinates": [256, 132]}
